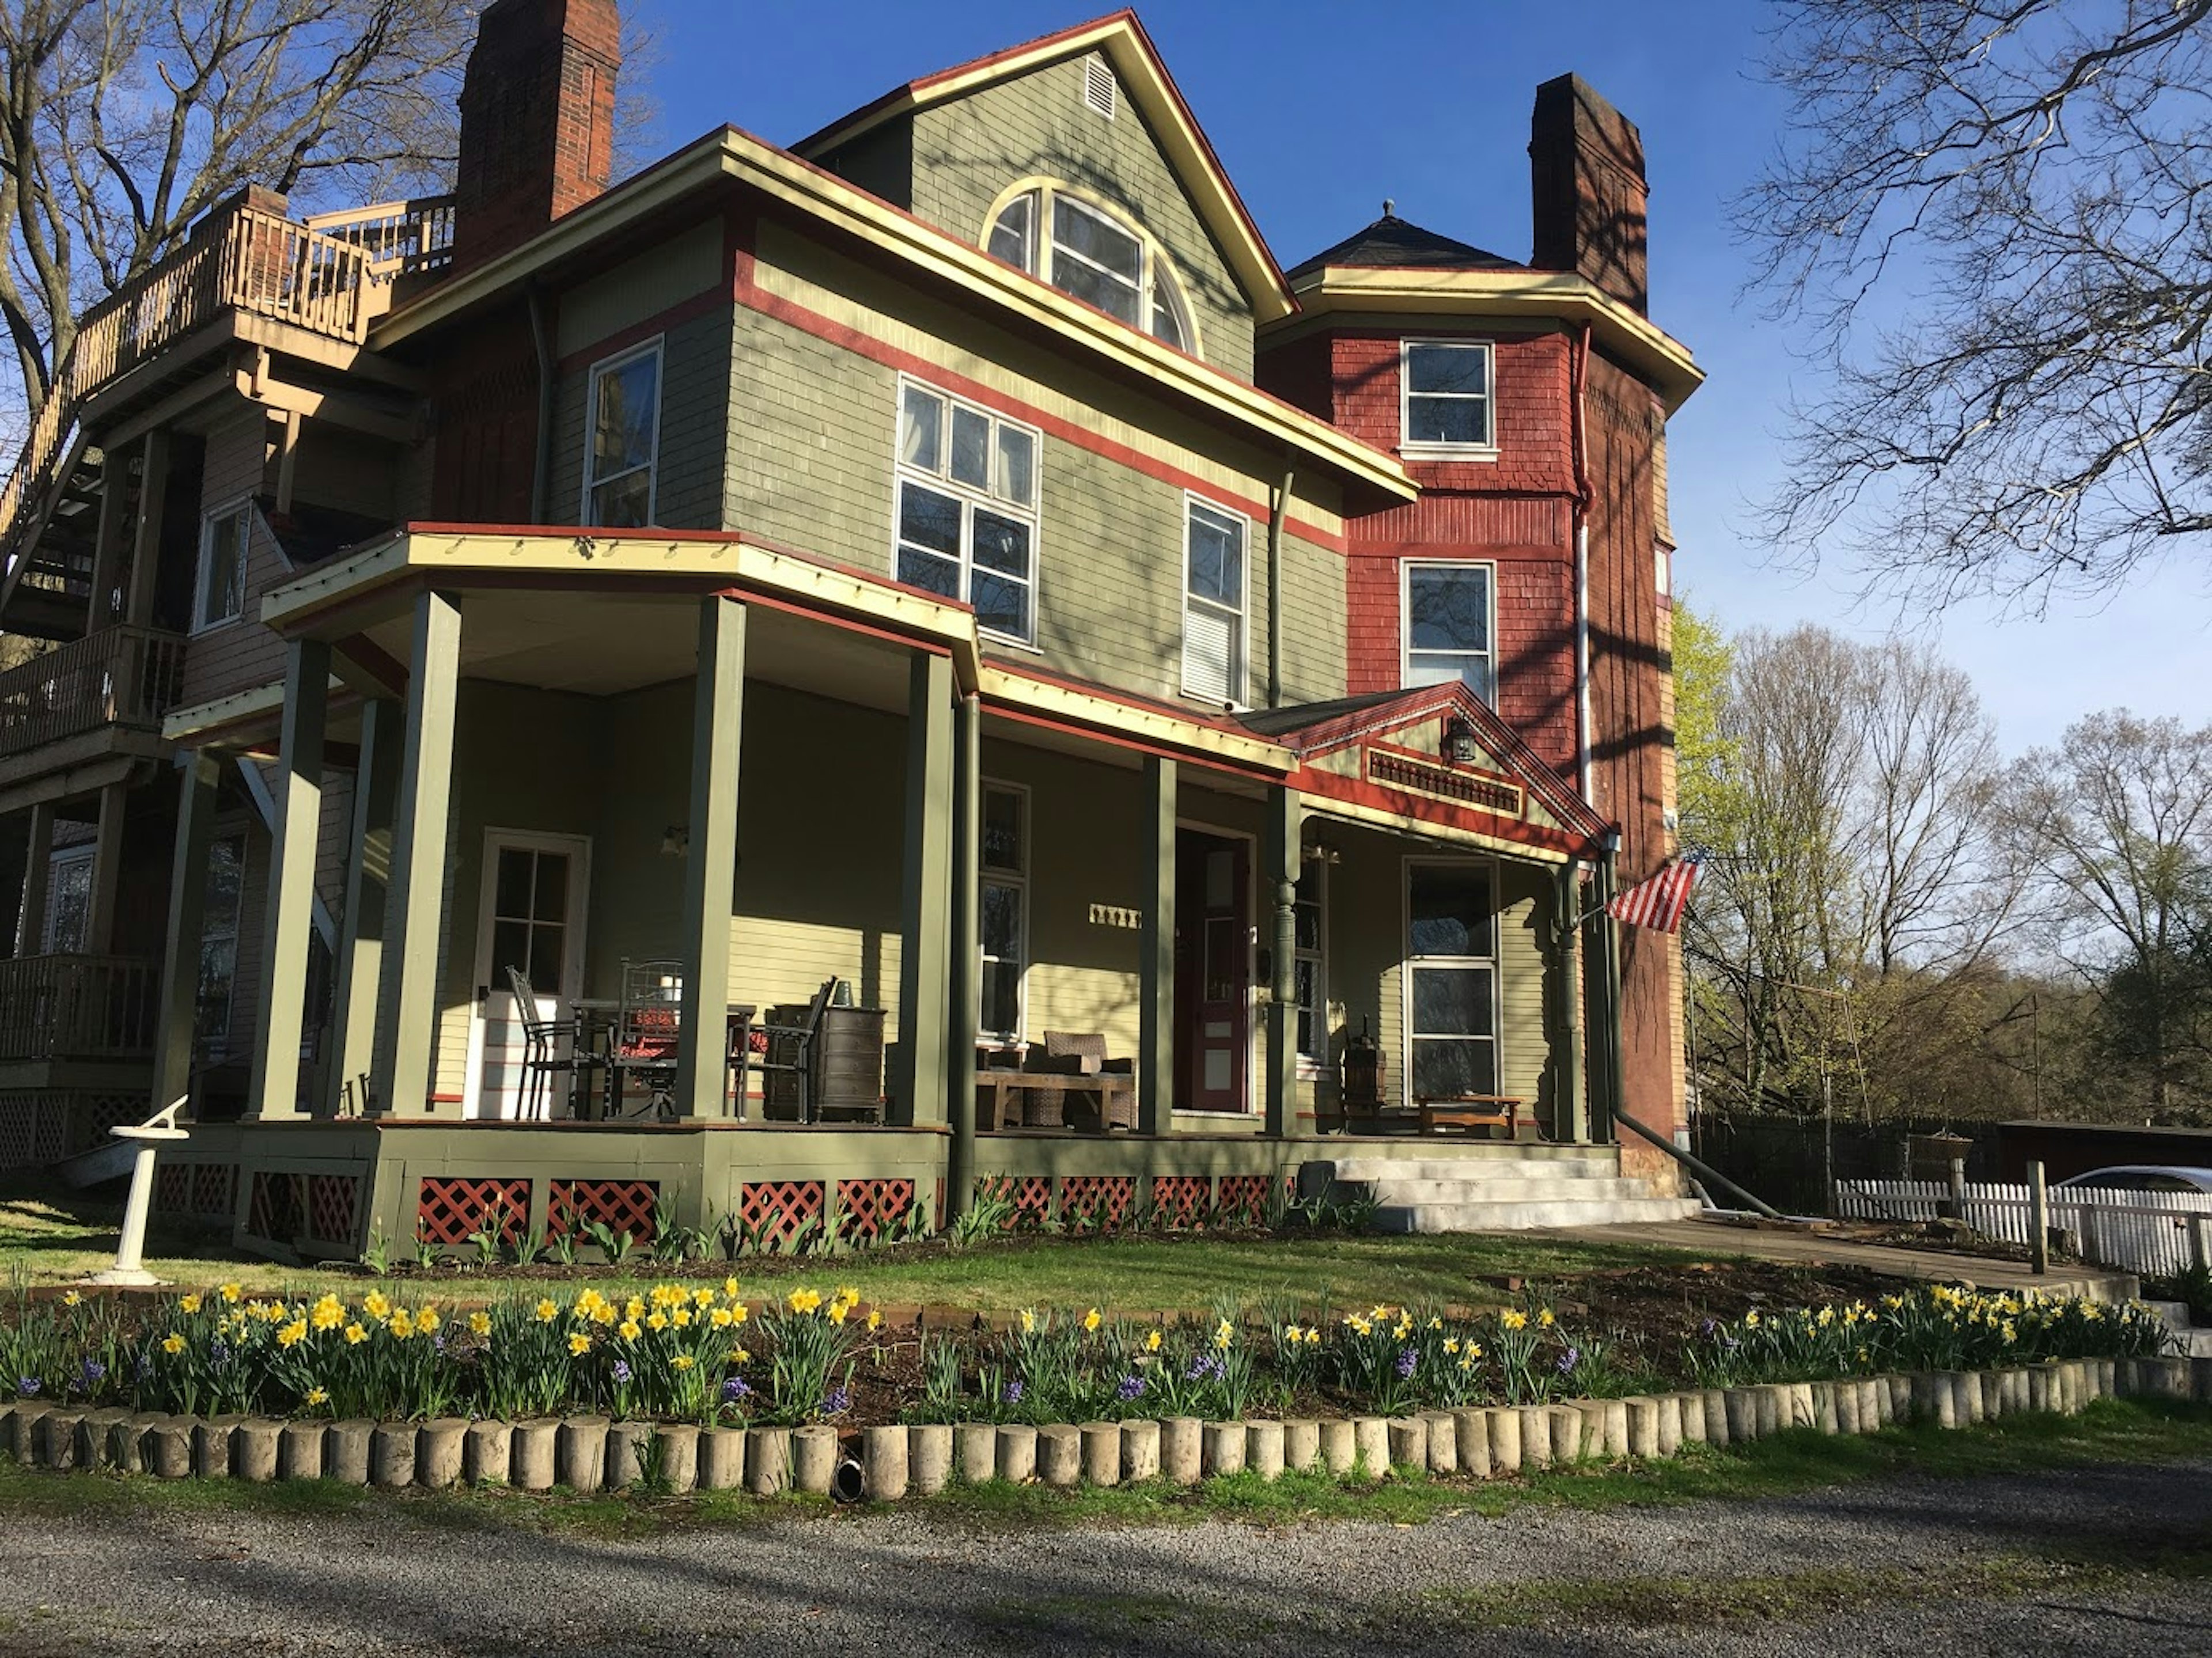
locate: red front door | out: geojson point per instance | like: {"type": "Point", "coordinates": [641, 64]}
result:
{"type": "Point", "coordinates": [1213, 972]}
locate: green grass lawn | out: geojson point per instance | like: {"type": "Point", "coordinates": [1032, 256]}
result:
{"type": "Point", "coordinates": [43, 1240]}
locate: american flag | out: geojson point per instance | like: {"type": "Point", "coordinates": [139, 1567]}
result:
{"type": "Point", "coordinates": [1659, 902]}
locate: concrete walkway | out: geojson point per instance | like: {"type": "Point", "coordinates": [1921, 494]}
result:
{"type": "Point", "coordinates": [1802, 1246]}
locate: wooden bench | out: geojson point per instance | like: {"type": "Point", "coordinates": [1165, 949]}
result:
{"type": "Point", "coordinates": [999, 1094]}
{"type": "Point", "coordinates": [1469, 1112]}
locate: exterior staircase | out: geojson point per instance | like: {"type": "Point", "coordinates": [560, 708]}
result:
{"type": "Point", "coordinates": [2196, 1341]}
{"type": "Point", "coordinates": [1501, 1188]}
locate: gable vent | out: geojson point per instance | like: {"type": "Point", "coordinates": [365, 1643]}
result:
{"type": "Point", "coordinates": [1099, 88]}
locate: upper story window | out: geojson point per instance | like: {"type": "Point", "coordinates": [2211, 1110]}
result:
{"type": "Point", "coordinates": [1095, 255]}
{"type": "Point", "coordinates": [625, 411]}
{"type": "Point", "coordinates": [1449, 611]}
{"type": "Point", "coordinates": [1445, 389]}
{"type": "Point", "coordinates": [225, 536]}
{"type": "Point", "coordinates": [1213, 605]}
{"type": "Point", "coordinates": [967, 508]}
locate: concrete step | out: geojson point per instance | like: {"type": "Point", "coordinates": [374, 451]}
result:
{"type": "Point", "coordinates": [1520, 1187]}
{"type": "Point", "coordinates": [2195, 1342]}
{"type": "Point", "coordinates": [1602, 1165]}
{"type": "Point", "coordinates": [1505, 1217]}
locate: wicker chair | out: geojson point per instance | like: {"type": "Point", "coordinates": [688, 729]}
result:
{"type": "Point", "coordinates": [1080, 1053]}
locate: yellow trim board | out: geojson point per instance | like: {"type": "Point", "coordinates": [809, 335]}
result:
{"type": "Point", "coordinates": [1007, 690]}
{"type": "Point", "coordinates": [743, 159]}
{"type": "Point", "coordinates": [1323, 805]}
{"type": "Point", "coordinates": [1646, 348]}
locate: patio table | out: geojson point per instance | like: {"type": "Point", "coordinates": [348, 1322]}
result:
{"type": "Point", "coordinates": [656, 1071]}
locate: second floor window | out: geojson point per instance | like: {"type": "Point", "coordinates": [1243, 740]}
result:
{"type": "Point", "coordinates": [225, 538]}
{"type": "Point", "coordinates": [1213, 606]}
{"type": "Point", "coordinates": [625, 439]}
{"type": "Point", "coordinates": [1091, 254]}
{"type": "Point", "coordinates": [967, 508]}
{"type": "Point", "coordinates": [1448, 626]}
{"type": "Point", "coordinates": [1446, 397]}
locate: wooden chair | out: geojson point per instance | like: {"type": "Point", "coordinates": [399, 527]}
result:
{"type": "Point", "coordinates": [1107, 1102]}
{"type": "Point", "coordinates": [785, 1056]}
{"type": "Point", "coordinates": [642, 1045]}
{"type": "Point", "coordinates": [543, 1055]}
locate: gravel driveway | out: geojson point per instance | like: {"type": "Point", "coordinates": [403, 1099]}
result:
{"type": "Point", "coordinates": [1912, 1567]}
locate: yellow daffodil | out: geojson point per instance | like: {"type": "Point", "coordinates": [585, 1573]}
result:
{"type": "Point", "coordinates": [233, 1293]}
{"type": "Point", "coordinates": [1513, 1319]}
{"type": "Point", "coordinates": [315, 1396]}
{"type": "Point", "coordinates": [545, 1311]}
{"type": "Point", "coordinates": [1474, 1353]}
{"type": "Point", "coordinates": [875, 1318]}
{"type": "Point", "coordinates": [1436, 1324]}
{"type": "Point", "coordinates": [1091, 1320]}
{"type": "Point", "coordinates": [188, 1303]}
{"type": "Point", "coordinates": [720, 1318]}
{"type": "Point", "coordinates": [479, 1324]}
{"type": "Point", "coordinates": [428, 1321]}
{"type": "Point", "coordinates": [71, 1298]}
{"type": "Point", "coordinates": [292, 1335]}
{"type": "Point", "coordinates": [173, 1344]}
{"type": "Point", "coordinates": [1452, 1344]}
{"type": "Point", "coordinates": [355, 1335]}
{"type": "Point", "coordinates": [703, 1297]}
{"type": "Point", "coordinates": [680, 1316]}
{"type": "Point", "coordinates": [838, 1309]}
{"type": "Point", "coordinates": [656, 1319]}
{"type": "Point", "coordinates": [579, 1344]}
{"type": "Point", "coordinates": [729, 1288]}
{"type": "Point", "coordinates": [739, 1313]}
{"type": "Point", "coordinates": [634, 1308]}
{"type": "Point", "coordinates": [1751, 1319]}
{"type": "Point", "coordinates": [1152, 1341]}
{"type": "Point", "coordinates": [1029, 1321]}
{"type": "Point", "coordinates": [377, 1305]}
{"type": "Point", "coordinates": [629, 1329]}
{"type": "Point", "coordinates": [1544, 1317]}
{"type": "Point", "coordinates": [328, 1314]}
{"type": "Point", "coordinates": [739, 1356]}
{"type": "Point", "coordinates": [401, 1324]}
{"type": "Point", "coordinates": [682, 1362]}
{"type": "Point", "coordinates": [1313, 1335]}
{"type": "Point", "coordinates": [803, 1301]}
{"type": "Point", "coordinates": [849, 1294]}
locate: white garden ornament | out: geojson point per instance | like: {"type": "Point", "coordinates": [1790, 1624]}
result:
{"type": "Point", "coordinates": [129, 1268]}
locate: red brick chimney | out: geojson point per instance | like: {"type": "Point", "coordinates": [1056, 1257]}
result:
{"type": "Point", "coordinates": [538, 120]}
{"type": "Point", "coordinates": [1586, 166]}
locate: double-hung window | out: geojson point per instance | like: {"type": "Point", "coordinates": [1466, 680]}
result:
{"type": "Point", "coordinates": [1449, 609]}
{"type": "Point", "coordinates": [226, 538]}
{"type": "Point", "coordinates": [1445, 387]}
{"type": "Point", "coordinates": [1310, 939]}
{"type": "Point", "coordinates": [625, 439]}
{"type": "Point", "coordinates": [1451, 972]}
{"type": "Point", "coordinates": [967, 508]}
{"type": "Point", "coordinates": [1213, 605]}
{"type": "Point", "coordinates": [1091, 254]}
{"type": "Point", "coordinates": [1004, 894]}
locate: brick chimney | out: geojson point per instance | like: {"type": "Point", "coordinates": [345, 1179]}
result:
{"type": "Point", "coordinates": [537, 108]}
{"type": "Point", "coordinates": [1586, 167]}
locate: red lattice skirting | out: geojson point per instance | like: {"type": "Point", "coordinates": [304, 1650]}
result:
{"type": "Point", "coordinates": [775, 1211]}
{"type": "Point", "coordinates": [450, 1209]}
{"type": "Point", "coordinates": [1103, 1199]}
{"type": "Point", "coordinates": [1182, 1200]}
{"type": "Point", "coordinates": [621, 1206]}
{"type": "Point", "coordinates": [872, 1207]}
{"type": "Point", "coordinates": [215, 1189]}
{"type": "Point", "coordinates": [332, 1202]}
{"type": "Point", "coordinates": [1241, 1197]}
{"type": "Point", "coordinates": [1030, 1194]}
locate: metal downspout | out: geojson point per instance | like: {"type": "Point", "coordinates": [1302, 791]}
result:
{"type": "Point", "coordinates": [1275, 586]}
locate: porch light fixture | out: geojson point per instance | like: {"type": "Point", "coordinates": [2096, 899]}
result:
{"type": "Point", "coordinates": [1459, 741]}
{"type": "Point", "coordinates": [675, 841]}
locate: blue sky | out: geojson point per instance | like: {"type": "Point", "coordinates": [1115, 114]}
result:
{"type": "Point", "coordinates": [1319, 110]}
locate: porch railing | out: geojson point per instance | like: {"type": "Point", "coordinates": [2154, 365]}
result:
{"type": "Point", "coordinates": [244, 257]}
{"type": "Point", "coordinates": [121, 675]}
{"type": "Point", "coordinates": [78, 1007]}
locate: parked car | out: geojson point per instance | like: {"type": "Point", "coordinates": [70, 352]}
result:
{"type": "Point", "coordinates": [2140, 1177]}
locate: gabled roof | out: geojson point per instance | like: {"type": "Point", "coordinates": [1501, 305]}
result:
{"type": "Point", "coordinates": [1318, 728]}
{"type": "Point", "coordinates": [1396, 244]}
{"type": "Point", "coordinates": [1122, 40]}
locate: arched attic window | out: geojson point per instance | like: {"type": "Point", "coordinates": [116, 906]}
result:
{"type": "Point", "coordinates": [1093, 254]}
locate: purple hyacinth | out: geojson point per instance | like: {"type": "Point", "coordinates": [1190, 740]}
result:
{"type": "Point", "coordinates": [1569, 1359]}
{"type": "Point", "coordinates": [218, 1353]}
{"type": "Point", "coordinates": [89, 1374]}
{"type": "Point", "coordinates": [734, 1388]}
{"type": "Point", "coordinates": [1707, 1328]}
{"type": "Point", "coordinates": [1206, 1366]}
{"type": "Point", "coordinates": [27, 1386]}
{"type": "Point", "coordinates": [1011, 1395]}
{"type": "Point", "coordinates": [1408, 1360]}
{"type": "Point", "coordinates": [836, 1402]}
{"type": "Point", "coordinates": [1132, 1385]}
{"type": "Point", "coordinates": [621, 1373]}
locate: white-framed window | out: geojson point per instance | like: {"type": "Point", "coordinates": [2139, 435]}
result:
{"type": "Point", "coordinates": [623, 450]}
{"type": "Point", "coordinates": [1450, 608]}
{"type": "Point", "coordinates": [1309, 960]}
{"type": "Point", "coordinates": [1090, 253]}
{"type": "Point", "coordinates": [967, 508]}
{"type": "Point", "coordinates": [1005, 892]}
{"type": "Point", "coordinates": [1213, 585]}
{"type": "Point", "coordinates": [1445, 398]}
{"type": "Point", "coordinates": [225, 889]}
{"type": "Point", "coordinates": [226, 540]}
{"type": "Point", "coordinates": [69, 899]}
{"type": "Point", "coordinates": [1662, 568]}
{"type": "Point", "coordinates": [1451, 978]}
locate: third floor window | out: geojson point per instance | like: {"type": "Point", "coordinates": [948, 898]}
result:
{"type": "Point", "coordinates": [625, 405]}
{"type": "Point", "coordinates": [1447, 398]}
{"type": "Point", "coordinates": [1094, 256]}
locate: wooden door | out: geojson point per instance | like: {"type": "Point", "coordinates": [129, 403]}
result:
{"type": "Point", "coordinates": [1213, 972]}
{"type": "Point", "coordinates": [529, 915]}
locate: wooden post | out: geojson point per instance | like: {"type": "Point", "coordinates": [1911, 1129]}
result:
{"type": "Point", "coordinates": [2039, 1220]}
{"type": "Point", "coordinates": [710, 866]}
{"type": "Point", "coordinates": [360, 964]}
{"type": "Point", "coordinates": [405, 1044]}
{"type": "Point", "coordinates": [925, 932]}
{"type": "Point", "coordinates": [1958, 1202]}
{"type": "Point", "coordinates": [1572, 1118]}
{"type": "Point", "coordinates": [1281, 850]}
{"type": "Point", "coordinates": [288, 925]}
{"type": "Point", "coordinates": [146, 541]}
{"type": "Point", "coordinates": [1156, 953]}
{"type": "Point", "coordinates": [37, 876]}
{"type": "Point", "coordinates": [964, 992]}
{"type": "Point", "coordinates": [108, 543]}
{"type": "Point", "coordinates": [199, 775]}
{"type": "Point", "coordinates": [106, 871]}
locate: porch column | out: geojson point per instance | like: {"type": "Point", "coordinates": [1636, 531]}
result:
{"type": "Point", "coordinates": [1602, 997]}
{"type": "Point", "coordinates": [1156, 953]}
{"type": "Point", "coordinates": [1573, 1116]}
{"type": "Point", "coordinates": [360, 966]}
{"type": "Point", "coordinates": [14, 838]}
{"type": "Point", "coordinates": [146, 541]}
{"type": "Point", "coordinates": [408, 1036]}
{"type": "Point", "coordinates": [710, 865]}
{"type": "Point", "coordinates": [106, 871]}
{"type": "Point", "coordinates": [281, 998]}
{"type": "Point", "coordinates": [200, 774]}
{"type": "Point", "coordinates": [967, 947]}
{"type": "Point", "coordinates": [109, 542]}
{"type": "Point", "coordinates": [1281, 851]}
{"type": "Point", "coordinates": [38, 872]}
{"type": "Point", "coordinates": [925, 932]}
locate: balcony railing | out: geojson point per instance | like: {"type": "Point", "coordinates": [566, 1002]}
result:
{"type": "Point", "coordinates": [78, 1007]}
{"type": "Point", "coordinates": [243, 258]}
{"type": "Point", "coordinates": [121, 675]}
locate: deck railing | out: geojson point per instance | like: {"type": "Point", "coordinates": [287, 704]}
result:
{"type": "Point", "coordinates": [121, 675]}
{"type": "Point", "coordinates": [2157, 1234]}
{"type": "Point", "coordinates": [78, 1007]}
{"type": "Point", "coordinates": [242, 257]}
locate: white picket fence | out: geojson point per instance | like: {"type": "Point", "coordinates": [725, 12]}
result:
{"type": "Point", "coordinates": [2155, 1234]}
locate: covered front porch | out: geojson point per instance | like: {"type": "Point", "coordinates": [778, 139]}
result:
{"type": "Point", "coordinates": [567, 758]}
